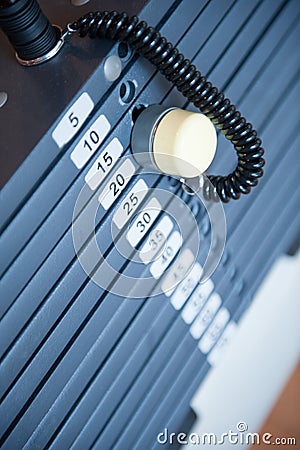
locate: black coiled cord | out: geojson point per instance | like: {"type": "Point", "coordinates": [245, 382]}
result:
{"type": "Point", "coordinates": [184, 75]}
{"type": "Point", "coordinates": [27, 28]}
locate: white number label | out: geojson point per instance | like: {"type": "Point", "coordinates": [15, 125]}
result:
{"type": "Point", "coordinates": [197, 301]}
{"type": "Point", "coordinates": [222, 344]}
{"type": "Point", "coordinates": [89, 143]}
{"type": "Point", "coordinates": [186, 287]}
{"type": "Point", "coordinates": [104, 164]}
{"type": "Point", "coordinates": [156, 240]}
{"type": "Point", "coordinates": [206, 316]}
{"type": "Point", "coordinates": [130, 204]}
{"type": "Point", "coordinates": [73, 120]}
{"type": "Point", "coordinates": [173, 244]}
{"type": "Point", "coordinates": [143, 222]}
{"type": "Point", "coordinates": [215, 330]}
{"type": "Point", "coordinates": [116, 184]}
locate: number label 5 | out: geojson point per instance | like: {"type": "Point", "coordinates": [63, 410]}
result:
{"type": "Point", "coordinates": [73, 120]}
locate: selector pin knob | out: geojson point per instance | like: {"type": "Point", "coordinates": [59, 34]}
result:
{"type": "Point", "coordinates": [173, 141]}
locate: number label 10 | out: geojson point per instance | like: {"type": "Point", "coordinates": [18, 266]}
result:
{"type": "Point", "coordinates": [90, 141]}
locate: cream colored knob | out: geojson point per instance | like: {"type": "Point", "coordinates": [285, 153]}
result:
{"type": "Point", "coordinates": [175, 141]}
{"type": "Point", "coordinates": [184, 143]}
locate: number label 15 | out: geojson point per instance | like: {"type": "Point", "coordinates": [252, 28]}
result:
{"type": "Point", "coordinates": [104, 163]}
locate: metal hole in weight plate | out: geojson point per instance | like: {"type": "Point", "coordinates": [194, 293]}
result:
{"type": "Point", "coordinates": [79, 2]}
{"type": "Point", "coordinates": [124, 51]}
{"type": "Point", "coordinates": [3, 98]}
{"type": "Point", "coordinates": [127, 91]}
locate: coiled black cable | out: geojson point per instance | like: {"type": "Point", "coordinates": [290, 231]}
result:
{"type": "Point", "coordinates": [196, 88]}
{"type": "Point", "coordinates": [27, 28]}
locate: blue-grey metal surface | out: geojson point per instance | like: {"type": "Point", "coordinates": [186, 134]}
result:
{"type": "Point", "coordinates": [82, 367]}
